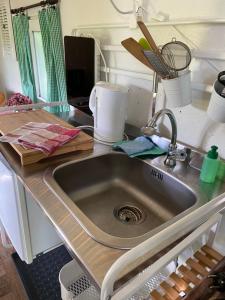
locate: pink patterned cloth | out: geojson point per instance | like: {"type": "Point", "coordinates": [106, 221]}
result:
{"type": "Point", "coordinates": [40, 136]}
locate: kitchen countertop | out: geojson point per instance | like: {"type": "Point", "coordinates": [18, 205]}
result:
{"type": "Point", "coordinates": [94, 257]}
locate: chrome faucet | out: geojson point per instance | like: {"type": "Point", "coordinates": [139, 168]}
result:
{"type": "Point", "coordinates": [173, 153]}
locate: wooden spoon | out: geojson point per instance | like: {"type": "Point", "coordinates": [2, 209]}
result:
{"type": "Point", "coordinates": [136, 50]}
{"type": "Point", "coordinates": [158, 56]}
{"type": "Point", "coordinates": [148, 37]}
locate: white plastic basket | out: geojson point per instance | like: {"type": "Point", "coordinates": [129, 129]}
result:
{"type": "Point", "coordinates": [75, 285]}
{"type": "Point", "coordinates": [140, 287]}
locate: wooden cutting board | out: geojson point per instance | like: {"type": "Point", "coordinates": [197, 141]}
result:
{"type": "Point", "coordinates": [11, 122]}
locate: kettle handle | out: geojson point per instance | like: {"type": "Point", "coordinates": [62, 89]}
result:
{"type": "Point", "coordinates": [92, 100]}
{"type": "Point", "coordinates": [221, 74]}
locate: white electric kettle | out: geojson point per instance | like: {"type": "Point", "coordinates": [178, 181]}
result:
{"type": "Point", "coordinates": [108, 103]}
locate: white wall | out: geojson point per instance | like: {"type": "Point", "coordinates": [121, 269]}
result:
{"type": "Point", "coordinates": [10, 74]}
{"type": "Point", "coordinates": [2, 85]}
{"type": "Point", "coordinates": [194, 127]}
{"type": "Point", "coordinates": [9, 70]}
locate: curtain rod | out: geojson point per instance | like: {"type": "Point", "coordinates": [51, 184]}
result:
{"type": "Point", "coordinates": [42, 3]}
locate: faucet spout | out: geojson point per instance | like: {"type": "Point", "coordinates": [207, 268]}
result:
{"type": "Point", "coordinates": [152, 123]}
{"type": "Point", "coordinates": [173, 153]}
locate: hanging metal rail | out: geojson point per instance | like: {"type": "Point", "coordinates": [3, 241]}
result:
{"type": "Point", "coordinates": [42, 3]}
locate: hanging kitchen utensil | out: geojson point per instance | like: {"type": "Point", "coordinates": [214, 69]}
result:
{"type": "Point", "coordinates": [136, 50]}
{"type": "Point", "coordinates": [148, 37]}
{"type": "Point", "coordinates": [158, 64]}
{"type": "Point", "coordinates": [176, 55]}
{"type": "Point", "coordinates": [144, 44]}
{"type": "Point", "coordinates": [154, 56]}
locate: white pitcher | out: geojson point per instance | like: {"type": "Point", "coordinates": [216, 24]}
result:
{"type": "Point", "coordinates": [108, 103]}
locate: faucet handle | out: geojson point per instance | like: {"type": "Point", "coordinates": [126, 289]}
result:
{"type": "Point", "coordinates": [174, 155]}
{"type": "Point", "coordinates": [189, 154]}
{"type": "Point", "coordinates": [178, 154]}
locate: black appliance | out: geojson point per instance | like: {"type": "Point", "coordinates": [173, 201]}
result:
{"type": "Point", "coordinates": [80, 70]}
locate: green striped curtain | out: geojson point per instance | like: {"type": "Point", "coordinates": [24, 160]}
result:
{"type": "Point", "coordinates": [49, 19]}
{"type": "Point", "coordinates": [23, 50]}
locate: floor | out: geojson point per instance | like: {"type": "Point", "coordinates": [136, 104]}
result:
{"type": "Point", "coordinates": [11, 287]}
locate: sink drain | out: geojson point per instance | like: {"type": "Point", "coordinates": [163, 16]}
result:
{"type": "Point", "coordinates": [129, 214]}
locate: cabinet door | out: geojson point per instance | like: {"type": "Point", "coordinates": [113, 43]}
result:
{"type": "Point", "coordinates": [42, 233]}
{"type": "Point", "coordinates": [29, 230]}
{"type": "Point", "coordinates": [13, 213]}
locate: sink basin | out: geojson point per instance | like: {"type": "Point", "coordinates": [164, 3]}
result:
{"type": "Point", "coordinates": [119, 201]}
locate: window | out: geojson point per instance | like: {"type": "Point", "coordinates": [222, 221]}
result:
{"type": "Point", "coordinates": [38, 59]}
{"type": "Point", "coordinates": [39, 66]}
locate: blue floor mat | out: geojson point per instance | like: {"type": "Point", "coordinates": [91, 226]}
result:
{"type": "Point", "coordinates": [40, 278]}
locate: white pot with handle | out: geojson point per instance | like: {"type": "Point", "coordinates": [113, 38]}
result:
{"type": "Point", "coordinates": [108, 103]}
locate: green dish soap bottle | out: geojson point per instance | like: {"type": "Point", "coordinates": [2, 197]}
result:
{"type": "Point", "coordinates": [210, 166]}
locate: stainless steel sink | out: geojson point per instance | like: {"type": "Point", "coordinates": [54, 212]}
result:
{"type": "Point", "coordinates": [120, 201]}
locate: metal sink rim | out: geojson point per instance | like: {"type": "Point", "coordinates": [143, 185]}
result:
{"type": "Point", "coordinates": [96, 233]}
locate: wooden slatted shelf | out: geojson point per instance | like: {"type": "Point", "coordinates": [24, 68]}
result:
{"type": "Point", "coordinates": [190, 275]}
{"type": "Point", "coordinates": [204, 260]}
{"type": "Point", "coordinates": [180, 284]}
